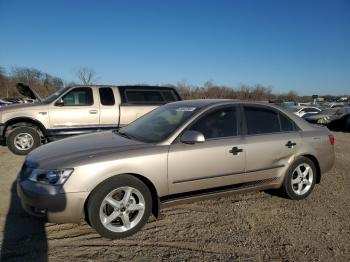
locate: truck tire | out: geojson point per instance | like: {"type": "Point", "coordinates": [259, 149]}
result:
{"type": "Point", "coordinates": [22, 140]}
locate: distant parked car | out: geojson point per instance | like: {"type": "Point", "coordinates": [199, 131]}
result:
{"type": "Point", "coordinates": [76, 110]}
{"type": "Point", "coordinates": [178, 152]}
{"type": "Point", "coordinates": [12, 100]}
{"type": "Point", "coordinates": [342, 123]}
{"type": "Point", "coordinates": [302, 110]}
{"type": "Point", "coordinates": [4, 103]}
{"type": "Point", "coordinates": [336, 105]}
{"type": "Point", "coordinates": [327, 115]}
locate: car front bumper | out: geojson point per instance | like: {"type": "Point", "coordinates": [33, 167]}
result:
{"type": "Point", "coordinates": [45, 201]}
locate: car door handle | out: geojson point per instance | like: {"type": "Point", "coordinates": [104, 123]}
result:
{"type": "Point", "coordinates": [93, 111]}
{"type": "Point", "coordinates": [235, 150]}
{"type": "Point", "coordinates": [290, 144]}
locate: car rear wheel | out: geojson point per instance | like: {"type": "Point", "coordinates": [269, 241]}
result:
{"type": "Point", "coordinates": [300, 179]}
{"type": "Point", "coordinates": [22, 140]}
{"type": "Point", "coordinates": [119, 207]}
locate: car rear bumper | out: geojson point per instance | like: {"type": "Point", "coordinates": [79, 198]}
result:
{"type": "Point", "coordinates": [44, 202]}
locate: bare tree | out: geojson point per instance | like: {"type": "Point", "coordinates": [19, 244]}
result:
{"type": "Point", "coordinates": [3, 82]}
{"type": "Point", "coordinates": [86, 75]}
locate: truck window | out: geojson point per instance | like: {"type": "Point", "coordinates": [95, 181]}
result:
{"type": "Point", "coordinates": [106, 96]}
{"type": "Point", "coordinates": [81, 96]}
{"type": "Point", "coordinates": [169, 96]}
{"type": "Point", "coordinates": [144, 96]}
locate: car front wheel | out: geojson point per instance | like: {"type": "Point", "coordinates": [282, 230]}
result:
{"type": "Point", "coordinates": [119, 207]}
{"type": "Point", "coordinates": [22, 140]}
{"type": "Point", "coordinates": [300, 179]}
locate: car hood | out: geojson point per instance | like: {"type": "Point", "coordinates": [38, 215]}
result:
{"type": "Point", "coordinates": [67, 152]}
{"type": "Point", "coordinates": [26, 91]}
{"type": "Point", "coordinates": [13, 107]}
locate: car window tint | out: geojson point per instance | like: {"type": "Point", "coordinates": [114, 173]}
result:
{"type": "Point", "coordinates": [261, 120]}
{"type": "Point", "coordinates": [219, 123]}
{"type": "Point", "coordinates": [286, 124]}
{"type": "Point", "coordinates": [81, 96]}
{"type": "Point", "coordinates": [143, 96]}
{"type": "Point", "coordinates": [106, 96]}
{"type": "Point", "coordinates": [310, 110]}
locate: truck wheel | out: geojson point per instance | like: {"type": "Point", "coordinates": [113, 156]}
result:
{"type": "Point", "coordinates": [119, 207]}
{"type": "Point", "coordinates": [22, 140]}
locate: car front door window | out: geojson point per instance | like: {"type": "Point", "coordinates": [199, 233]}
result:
{"type": "Point", "coordinates": [217, 124]}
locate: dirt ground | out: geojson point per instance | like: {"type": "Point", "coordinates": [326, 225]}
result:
{"type": "Point", "coordinates": [245, 227]}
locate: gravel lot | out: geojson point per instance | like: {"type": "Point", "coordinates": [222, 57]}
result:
{"type": "Point", "coordinates": [245, 227]}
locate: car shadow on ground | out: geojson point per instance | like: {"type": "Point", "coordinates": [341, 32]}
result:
{"type": "Point", "coordinates": [24, 237]}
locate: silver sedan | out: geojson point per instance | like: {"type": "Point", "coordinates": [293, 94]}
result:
{"type": "Point", "coordinates": [181, 151]}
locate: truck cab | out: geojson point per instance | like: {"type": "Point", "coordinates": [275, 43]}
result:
{"type": "Point", "coordinates": [75, 110]}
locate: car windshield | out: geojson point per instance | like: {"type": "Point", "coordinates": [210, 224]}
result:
{"type": "Point", "coordinates": [54, 96]}
{"type": "Point", "coordinates": [159, 124]}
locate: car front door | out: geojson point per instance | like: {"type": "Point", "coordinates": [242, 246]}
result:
{"type": "Point", "coordinates": [271, 141]}
{"type": "Point", "coordinates": [78, 108]}
{"type": "Point", "coordinates": [218, 161]}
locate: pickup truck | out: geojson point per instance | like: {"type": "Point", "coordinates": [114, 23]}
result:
{"type": "Point", "coordinates": [76, 110]}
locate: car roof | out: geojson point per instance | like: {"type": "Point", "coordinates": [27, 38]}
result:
{"type": "Point", "coordinates": [127, 86]}
{"type": "Point", "coordinates": [201, 103]}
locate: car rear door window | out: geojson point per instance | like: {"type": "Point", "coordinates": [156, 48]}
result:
{"type": "Point", "coordinates": [219, 123]}
{"type": "Point", "coordinates": [81, 96]}
{"type": "Point", "coordinates": [106, 96]}
{"type": "Point", "coordinates": [261, 120]}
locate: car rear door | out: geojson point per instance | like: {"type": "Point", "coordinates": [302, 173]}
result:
{"type": "Point", "coordinates": [271, 140]}
{"type": "Point", "coordinates": [78, 108]}
{"type": "Point", "coordinates": [218, 161]}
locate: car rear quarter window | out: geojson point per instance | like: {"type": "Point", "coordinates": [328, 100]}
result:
{"type": "Point", "coordinates": [286, 124]}
{"type": "Point", "coordinates": [106, 96]}
{"type": "Point", "coordinates": [217, 124]}
{"type": "Point", "coordinates": [261, 120]}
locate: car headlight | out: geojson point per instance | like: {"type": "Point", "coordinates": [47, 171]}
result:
{"type": "Point", "coordinates": [50, 177]}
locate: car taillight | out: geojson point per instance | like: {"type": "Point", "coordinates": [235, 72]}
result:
{"type": "Point", "coordinates": [331, 139]}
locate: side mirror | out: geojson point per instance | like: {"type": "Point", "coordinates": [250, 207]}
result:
{"type": "Point", "coordinates": [192, 137]}
{"type": "Point", "coordinates": [59, 102]}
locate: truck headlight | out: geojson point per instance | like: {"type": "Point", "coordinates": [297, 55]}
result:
{"type": "Point", "coordinates": [50, 177]}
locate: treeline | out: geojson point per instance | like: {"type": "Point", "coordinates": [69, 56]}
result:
{"type": "Point", "coordinates": [243, 92]}
{"type": "Point", "coordinates": [43, 83]}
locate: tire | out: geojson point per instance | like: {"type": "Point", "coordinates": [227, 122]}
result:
{"type": "Point", "coordinates": [23, 140]}
{"type": "Point", "coordinates": [109, 208]}
{"type": "Point", "coordinates": [298, 183]}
